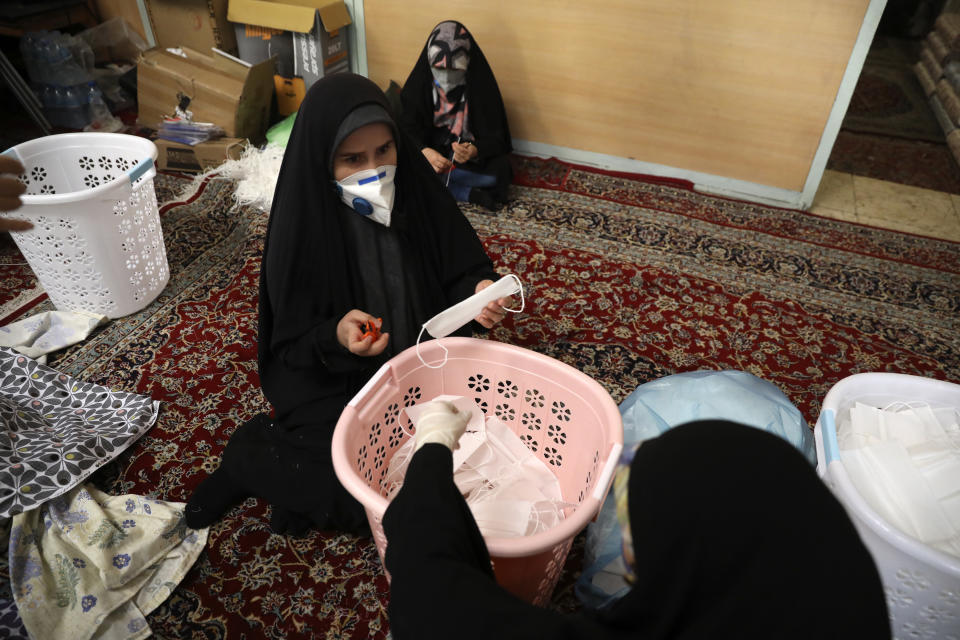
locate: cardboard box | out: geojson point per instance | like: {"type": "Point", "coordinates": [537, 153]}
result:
{"type": "Point", "coordinates": [127, 10]}
{"type": "Point", "coordinates": [308, 38]}
{"type": "Point", "coordinates": [221, 89]}
{"type": "Point", "coordinates": [174, 156]}
{"type": "Point", "coordinates": [197, 24]}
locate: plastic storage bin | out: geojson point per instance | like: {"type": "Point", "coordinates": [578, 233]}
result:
{"type": "Point", "coordinates": [922, 584]}
{"type": "Point", "coordinates": [563, 416]}
{"type": "Point", "coordinates": [96, 244]}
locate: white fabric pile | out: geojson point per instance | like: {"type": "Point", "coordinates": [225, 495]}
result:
{"type": "Point", "coordinates": [509, 490]}
{"type": "Point", "coordinates": [905, 462]}
{"type": "Point", "coordinates": [255, 171]}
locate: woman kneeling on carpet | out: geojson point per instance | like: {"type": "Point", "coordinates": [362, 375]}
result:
{"type": "Point", "coordinates": [727, 533]}
{"type": "Point", "coordinates": [359, 230]}
{"type": "Point", "coordinates": [453, 111]}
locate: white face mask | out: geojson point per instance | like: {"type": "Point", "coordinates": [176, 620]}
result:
{"type": "Point", "coordinates": [370, 192]}
{"type": "Point", "coordinates": [452, 318]}
{"type": "Point", "coordinates": [447, 79]}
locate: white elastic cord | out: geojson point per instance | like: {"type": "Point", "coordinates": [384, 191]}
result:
{"type": "Point", "coordinates": [403, 411]}
{"type": "Point", "coordinates": [908, 404]}
{"type": "Point", "coordinates": [445, 351]}
{"type": "Point", "coordinates": [537, 520]}
{"type": "Point", "coordinates": [522, 300]}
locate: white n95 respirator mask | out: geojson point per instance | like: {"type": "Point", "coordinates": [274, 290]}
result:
{"type": "Point", "coordinates": [370, 192]}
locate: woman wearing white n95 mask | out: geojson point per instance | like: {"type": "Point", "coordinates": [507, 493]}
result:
{"type": "Point", "coordinates": [360, 229]}
{"type": "Point", "coordinates": [365, 164]}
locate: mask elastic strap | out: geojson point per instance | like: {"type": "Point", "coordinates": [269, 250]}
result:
{"type": "Point", "coordinates": [446, 353]}
{"type": "Point", "coordinates": [897, 405]}
{"type": "Point", "coordinates": [403, 429]}
{"type": "Point", "coordinates": [523, 301]}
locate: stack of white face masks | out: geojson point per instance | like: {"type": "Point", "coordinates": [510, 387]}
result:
{"type": "Point", "coordinates": [509, 490]}
{"type": "Point", "coordinates": [905, 462]}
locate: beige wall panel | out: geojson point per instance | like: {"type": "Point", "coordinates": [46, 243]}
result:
{"type": "Point", "coordinates": [734, 88]}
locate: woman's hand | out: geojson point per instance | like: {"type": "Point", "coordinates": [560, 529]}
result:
{"type": "Point", "coordinates": [437, 161]}
{"type": "Point", "coordinates": [464, 152]}
{"type": "Point", "coordinates": [441, 422]}
{"type": "Point", "coordinates": [10, 190]}
{"type": "Point", "coordinates": [493, 313]}
{"type": "Point", "coordinates": [349, 331]}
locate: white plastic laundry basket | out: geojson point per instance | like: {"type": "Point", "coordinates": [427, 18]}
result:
{"type": "Point", "coordinates": [922, 583]}
{"type": "Point", "coordinates": [565, 417]}
{"type": "Point", "coordinates": [96, 244]}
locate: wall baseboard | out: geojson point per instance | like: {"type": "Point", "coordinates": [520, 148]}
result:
{"type": "Point", "coordinates": [715, 185]}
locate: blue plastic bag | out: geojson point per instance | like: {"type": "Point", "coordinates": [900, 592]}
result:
{"type": "Point", "coordinates": [660, 405]}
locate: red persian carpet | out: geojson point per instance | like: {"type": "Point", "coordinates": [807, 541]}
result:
{"type": "Point", "coordinates": [627, 279]}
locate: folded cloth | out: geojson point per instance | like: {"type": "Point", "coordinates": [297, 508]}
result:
{"type": "Point", "coordinates": [58, 430]}
{"type": "Point", "coordinates": [90, 565]}
{"type": "Point", "coordinates": [49, 331]}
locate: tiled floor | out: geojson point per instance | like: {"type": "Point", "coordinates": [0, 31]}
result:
{"type": "Point", "coordinates": [877, 203]}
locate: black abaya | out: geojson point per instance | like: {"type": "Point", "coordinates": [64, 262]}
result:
{"type": "Point", "coordinates": [734, 536]}
{"type": "Point", "coordinates": [320, 260]}
{"type": "Point", "coordinates": [441, 582]}
{"type": "Point", "coordinates": [311, 273]}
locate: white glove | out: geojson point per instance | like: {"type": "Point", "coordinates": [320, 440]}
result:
{"type": "Point", "coordinates": [441, 422]}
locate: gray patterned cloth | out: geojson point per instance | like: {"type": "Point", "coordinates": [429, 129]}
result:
{"type": "Point", "coordinates": [55, 431]}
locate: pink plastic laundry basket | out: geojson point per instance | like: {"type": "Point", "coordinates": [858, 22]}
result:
{"type": "Point", "coordinates": [563, 416]}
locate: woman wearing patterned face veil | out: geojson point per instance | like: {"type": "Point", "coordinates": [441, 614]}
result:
{"type": "Point", "coordinates": [359, 230]}
{"type": "Point", "coordinates": [453, 112]}
{"type": "Point", "coordinates": [727, 533]}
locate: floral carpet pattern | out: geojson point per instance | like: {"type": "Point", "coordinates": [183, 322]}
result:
{"type": "Point", "coordinates": [626, 279]}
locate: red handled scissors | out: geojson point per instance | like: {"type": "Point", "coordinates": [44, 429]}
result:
{"type": "Point", "coordinates": [371, 329]}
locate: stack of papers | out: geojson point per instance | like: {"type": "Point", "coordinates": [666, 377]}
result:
{"type": "Point", "coordinates": [188, 132]}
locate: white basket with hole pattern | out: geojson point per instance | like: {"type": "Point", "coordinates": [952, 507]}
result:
{"type": "Point", "coordinates": [96, 244]}
{"type": "Point", "coordinates": [565, 418]}
{"type": "Point", "coordinates": [922, 584]}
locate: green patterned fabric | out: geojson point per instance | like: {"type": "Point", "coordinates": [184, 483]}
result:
{"type": "Point", "coordinates": [90, 565]}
